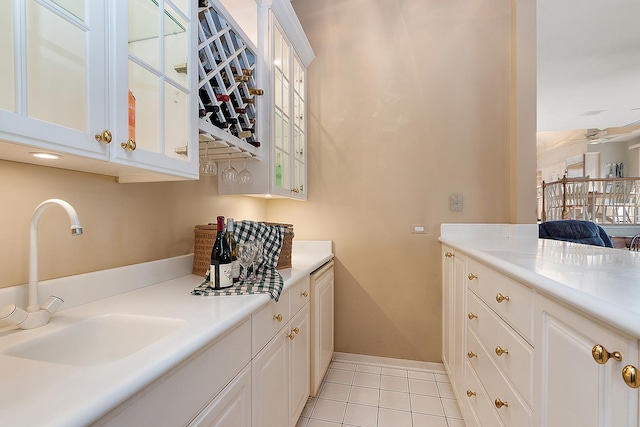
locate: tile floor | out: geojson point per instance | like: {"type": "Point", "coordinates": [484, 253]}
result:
{"type": "Point", "coordinates": [369, 395]}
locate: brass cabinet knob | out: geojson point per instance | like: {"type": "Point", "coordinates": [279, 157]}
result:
{"type": "Point", "coordinates": [278, 317]}
{"type": "Point", "coordinates": [296, 330]}
{"type": "Point", "coordinates": [105, 136]}
{"type": "Point", "coordinates": [305, 294]}
{"type": "Point", "coordinates": [501, 297]}
{"type": "Point", "coordinates": [448, 254]}
{"type": "Point", "coordinates": [472, 316]}
{"type": "Point", "coordinates": [129, 145]}
{"type": "Point", "coordinates": [291, 336]}
{"type": "Point", "coordinates": [472, 276]}
{"type": "Point", "coordinates": [602, 356]}
{"type": "Point", "coordinates": [471, 393]}
{"type": "Point", "coordinates": [499, 403]}
{"type": "Point", "coordinates": [471, 355]}
{"type": "Point", "coordinates": [500, 351]}
{"type": "Point", "coordinates": [630, 376]}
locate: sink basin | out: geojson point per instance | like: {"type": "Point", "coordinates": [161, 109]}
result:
{"type": "Point", "coordinates": [97, 340]}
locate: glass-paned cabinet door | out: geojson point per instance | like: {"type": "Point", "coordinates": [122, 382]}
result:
{"type": "Point", "coordinates": [154, 108]}
{"type": "Point", "coordinates": [282, 112]}
{"type": "Point", "coordinates": [53, 90]}
{"type": "Point", "coordinates": [299, 136]}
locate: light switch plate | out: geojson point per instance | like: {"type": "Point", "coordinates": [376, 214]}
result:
{"type": "Point", "coordinates": [455, 203]}
{"type": "Point", "coordinates": [418, 229]}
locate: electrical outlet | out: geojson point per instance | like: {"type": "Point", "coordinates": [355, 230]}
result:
{"type": "Point", "coordinates": [455, 203]}
{"type": "Point", "coordinates": [418, 229]}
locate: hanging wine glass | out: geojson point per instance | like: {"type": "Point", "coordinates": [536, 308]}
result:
{"type": "Point", "coordinates": [244, 176]}
{"type": "Point", "coordinates": [229, 173]}
{"type": "Point", "coordinates": [207, 166]}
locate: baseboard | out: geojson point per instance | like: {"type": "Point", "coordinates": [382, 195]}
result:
{"type": "Point", "coordinates": [363, 359]}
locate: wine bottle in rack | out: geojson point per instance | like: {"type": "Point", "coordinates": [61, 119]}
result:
{"type": "Point", "coordinates": [247, 100]}
{"type": "Point", "coordinates": [209, 109]}
{"type": "Point", "coordinates": [244, 134]}
{"type": "Point", "coordinates": [258, 92]}
{"type": "Point", "coordinates": [221, 267]}
{"type": "Point", "coordinates": [240, 110]}
{"type": "Point", "coordinates": [222, 98]}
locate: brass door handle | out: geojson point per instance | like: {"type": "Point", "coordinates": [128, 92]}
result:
{"type": "Point", "coordinates": [602, 356]}
{"type": "Point", "coordinates": [472, 316]}
{"type": "Point", "coordinates": [471, 393]}
{"type": "Point", "coordinates": [305, 294]}
{"type": "Point", "coordinates": [472, 276]}
{"type": "Point", "coordinates": [499, 403]}
{"type": "Point", "coordinates": [501, 297]}
{"type": "Point", "coordinates": [278, 317]}
{"type": "Point", "coordinates": [471, 355]}
{"type": "Point", "coordinates": [129, 145]}
{"type": "Point", "coordinates": [500, 351]}
{"type": "Point", "coordinates": [630, 376]}
{"type": "Point", "coordinates": [448, 254]}
{"type": "Point", "coordinates": [105, 136]}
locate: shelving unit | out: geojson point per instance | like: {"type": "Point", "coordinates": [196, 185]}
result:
{"type": "Point", "coordinates": [226, 70]}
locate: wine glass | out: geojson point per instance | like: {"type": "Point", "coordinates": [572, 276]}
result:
{"type": "Point", "coordinates": [257, 256]}
{"type": "Point", "coordinates": [229, 173]}
{"type": "Point", "coordinates": [244, 176]}
{"type": "Point", "coordinates": [207, 166]}
{"type": "Point", "coordinates": [246, 253]}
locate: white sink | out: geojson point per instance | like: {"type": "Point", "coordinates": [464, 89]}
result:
{"type": "Point", "coordinates": [97, 340]}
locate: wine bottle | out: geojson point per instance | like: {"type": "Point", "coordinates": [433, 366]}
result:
{"type": "Point", "coordinates": [235, 264]}
{"type": "Point", "coordinates": [253, 91]}
{"type": "Point", "coordinates": [240, 110]}
{"type": "Point", "coordinates": [244, 134]}
{"type": "Point", "coordinates": [278, 171]}
{"type": "Point", "coordinates": [220, 270]}
{"type": "Point", "coordinates": [254, 143]}
{"type": "Point", "coordinates": [247, 100]}
{"type": "Point", "coordinates": [209, 109]}
{"type": "Point", "coordinates": [222, 98]}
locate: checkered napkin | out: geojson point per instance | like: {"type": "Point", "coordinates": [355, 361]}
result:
{"type": "Point", "coordinates": [268, 280]}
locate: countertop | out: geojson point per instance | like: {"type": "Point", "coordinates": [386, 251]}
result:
{"type": "Point", "coordinates": [50, 394]}
{"type": "Point", "coordinates": [602, 282]}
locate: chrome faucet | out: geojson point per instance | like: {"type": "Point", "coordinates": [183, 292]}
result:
{"type": "Point", "coordinates": [38, 315]}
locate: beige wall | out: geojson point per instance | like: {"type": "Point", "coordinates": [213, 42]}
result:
{"type": "Point", "coordinates": [123, 223]}
{"type": "Point", "coordinates": [409, 102]}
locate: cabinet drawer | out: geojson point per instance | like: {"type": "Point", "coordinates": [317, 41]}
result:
{"type": "Point", "coordinates": [299, 295]}
{"type": "Point", "coordinates": [479, 411]}
{"type": "Point", "coordinates": [516, 359]}
{"type": "Point", "coordinates": [517, 413]}
{"type": "Point", "coordinates": [268, 321]}
{"type": "Point", "coordinates": [510, 299]}
{"type": "Point", "coordinates": [176, 397]}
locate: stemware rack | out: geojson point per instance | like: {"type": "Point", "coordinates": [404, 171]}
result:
{"type": "Point", "coordinates": [226, 73]}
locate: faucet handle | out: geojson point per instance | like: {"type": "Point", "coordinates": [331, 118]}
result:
{"type": "Point", "coordinates": [52, 304]}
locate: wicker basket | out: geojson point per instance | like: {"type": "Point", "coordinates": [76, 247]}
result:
{"type": "Point", "coordinates": [206, 236]}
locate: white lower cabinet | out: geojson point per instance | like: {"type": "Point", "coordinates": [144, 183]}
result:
{"type": "Point", "coordinates": [572, 388]}
{"type": "Point", "coordinates": [232, 407]}
{"type": "Point", "coordinates": [257, 374]}
{"type": "Point", "coordinates": [531, 360]}
{"type": "Point", "coordinates": [322, 343]}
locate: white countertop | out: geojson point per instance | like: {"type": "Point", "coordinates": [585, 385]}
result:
{"type": "Point", "coordinates": [602, 282]}
{"type": "Point", "coordinates": [51, 394]}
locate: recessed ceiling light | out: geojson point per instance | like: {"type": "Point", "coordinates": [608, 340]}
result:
{"type": "Point", "coordinates": [48, 156]}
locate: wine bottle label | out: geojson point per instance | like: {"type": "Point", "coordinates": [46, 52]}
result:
{"type": "Point", "coordinates": [221, 275]}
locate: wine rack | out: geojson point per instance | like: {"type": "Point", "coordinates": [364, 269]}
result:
{"type": "Point", "coordinates": [227, 93]}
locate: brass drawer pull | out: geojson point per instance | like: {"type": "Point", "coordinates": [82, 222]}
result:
{"type": "Point", "coordinates": [471, 393]}
{"type": "Point", "coordinates": [472, 316]}
{"type": "Point", "coordinates": [499, 404]}
{"type": "Point", "coordinates": [501, 297]}
{"type": "Point", "coordinates": [105, 136]}
{"type": "Point", "coordinates": [500, 351]}
{"type": "Point", "coordinates": [278, 317]}
{"type": "Point", "coordinates": [305, 294]}
{"type": "Point", "coordinates": [448, 254]}
{"type": "Point", "coordinates": [129, 145]}
{"type": "Point", "coordinates": [630, 376]}
{"type": "Point", "coordinates": [291, 336]}
{"type": "Point", "coordinates": [602, 356]}
{"type": "Point", "coordinates": [296, 330]}
{"type": "Point", "coordinates": [471, 355]}
{"type": "Point", "coordinates": [472, 276]}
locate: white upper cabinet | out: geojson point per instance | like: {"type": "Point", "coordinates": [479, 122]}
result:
{"type": "Point", "coordinates": [109, 86]}
{"type": "Point", "coordinates": [284, 55]}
